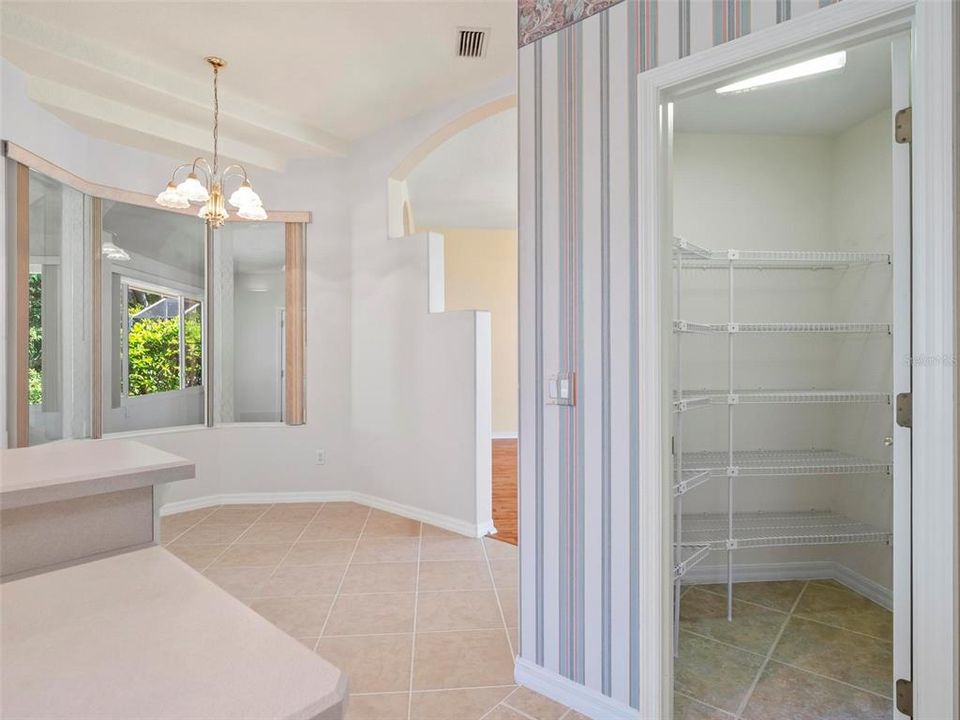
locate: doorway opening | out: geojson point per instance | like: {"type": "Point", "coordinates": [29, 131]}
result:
{"type": "Point", "coordinates": [789, 316]}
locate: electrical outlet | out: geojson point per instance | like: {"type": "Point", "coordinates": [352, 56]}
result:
{"type": "Point", "coordinates": [321, 457]}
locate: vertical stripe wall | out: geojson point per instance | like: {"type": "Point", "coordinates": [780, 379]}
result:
{"type": "Point", "coordinates": [578, 312]}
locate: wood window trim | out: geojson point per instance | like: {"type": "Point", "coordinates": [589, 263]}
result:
{"type": "Point", "coordinates": [295, 327]}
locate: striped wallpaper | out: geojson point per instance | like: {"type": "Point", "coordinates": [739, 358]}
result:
{"type": "Point", "coordinates": [578, 312]}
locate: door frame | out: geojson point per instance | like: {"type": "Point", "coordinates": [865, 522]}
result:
{"type": "Point", "coordinates": [935, 508]}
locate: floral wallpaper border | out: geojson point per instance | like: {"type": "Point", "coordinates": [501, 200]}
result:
{"type": "Point", "coordinates": [542, 17]}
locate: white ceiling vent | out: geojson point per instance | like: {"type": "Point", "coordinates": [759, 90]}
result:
{"type": "Point", "coordinates": [472, 42]}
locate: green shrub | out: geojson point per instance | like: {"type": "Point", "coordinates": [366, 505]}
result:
{"type": "Point", "coordinates": [35, 386]}
{"type": "Point", "coordinates": [154, 356]}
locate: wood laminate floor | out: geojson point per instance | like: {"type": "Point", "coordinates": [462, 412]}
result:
{"type": "Point", "coordinates": [505, 490]}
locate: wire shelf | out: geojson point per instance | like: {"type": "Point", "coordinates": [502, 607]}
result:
{"type": "Point", "coordinates": [694, 256]}
{"type": "Point", "coordinates": [767, 463]}
{"type": "Point", "coordinates": [687, 326]}
{"type": "Point", "coordinates": [690, 556]}
{"type": "Point", "coordinates": [767, 529]}
{"type": "Point", "coordinates": [692, 399]}
{"type": "Point", "coordinates": [691, 480]}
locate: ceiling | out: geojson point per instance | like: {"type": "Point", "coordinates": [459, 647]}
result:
{"type": "Point", "coordinates": [304, 78]}
{"type": "Point", "coordinates": [170, 238]}
{"type": "Point", "coordinates": [820, 105]}
{"type": "Point", "coordinates": [470, 181]}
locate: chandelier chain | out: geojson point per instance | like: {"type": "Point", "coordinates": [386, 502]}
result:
{"type": "Point", "coordinates": [216, 119]}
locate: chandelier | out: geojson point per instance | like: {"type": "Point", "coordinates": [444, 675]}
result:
{"type": "Point", "coordinates": [207, 189]}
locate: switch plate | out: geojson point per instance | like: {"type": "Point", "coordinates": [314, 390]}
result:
{"type": "Point", "coordinates": [562, 389]}
{"type": "Point", "coordinates": [321, 457]}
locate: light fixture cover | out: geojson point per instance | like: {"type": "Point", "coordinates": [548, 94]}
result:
{"type": "Point", "coordinates": [244, 196]}
{"type": "Point", "coordinates": [193, 190]}
{"type": "Point", "coordinates": [816, 66]}
{"type": "Point", "coordinates": [172, 198]}
{"type": "Point", "coordinates": [112, 252]}
{"type": "Point", "coordinates": [252, 212]}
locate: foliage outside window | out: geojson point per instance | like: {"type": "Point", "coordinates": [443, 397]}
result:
{"type": "Point", "coordinates": [35, 342]}
{"type": "Point", "coordinates": [154, 353]}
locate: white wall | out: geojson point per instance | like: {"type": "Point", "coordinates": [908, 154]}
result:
{"type": "Point", "coordinates": [256, 351]}
{"type": "Point", "coordinates": [791, 192]}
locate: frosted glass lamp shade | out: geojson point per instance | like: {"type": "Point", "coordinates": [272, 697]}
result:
{"type": "Point", "coordinates": [193, 190]}
{"type": "Point", "coordinates": [252, 212]}
{"type": "Point", "coordinates": [172, 198]}
{"type": "Point", "coordinates": [244, 196]}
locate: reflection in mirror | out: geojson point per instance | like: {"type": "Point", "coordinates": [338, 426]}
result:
{"type": "Point", "coordinates": [250, 302]}
{"type": "Point", "coordinates": [152, 314]}
{"type": "Point", "coordinates": [58, 328]}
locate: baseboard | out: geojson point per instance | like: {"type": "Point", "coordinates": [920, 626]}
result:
{"type": "Point", "coordinates": [579, 697]}
{"type": "Point", "coordinates": [506, 435]}
{"type": "Point", "coordinates": [442, 521]}
{"type": "Point", "coordinates": [817, 570]}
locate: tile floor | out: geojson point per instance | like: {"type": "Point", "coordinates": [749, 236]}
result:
{"type": "Point", "coordinates": [795, 651]}
{"type": "Point", "coordinates": [423, 621]}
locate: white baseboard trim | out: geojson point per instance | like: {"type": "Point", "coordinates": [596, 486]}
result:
{"type": "Point", "coordinates": [442, 521]}
{"type": "Point", "coordinates": [818, 570]}
{"type": "Point", "coordinates": [579, 697]}
{"type": "Point", "coordinates": [507, 435]}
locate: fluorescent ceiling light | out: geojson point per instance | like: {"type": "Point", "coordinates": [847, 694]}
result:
{"type": "Point", "coordinates": [825, 63]}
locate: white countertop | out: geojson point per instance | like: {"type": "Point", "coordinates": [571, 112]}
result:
{"type": "Point", "coordinates": [141, 635]}
{"type": "Point", "coordinates": [77, 468]}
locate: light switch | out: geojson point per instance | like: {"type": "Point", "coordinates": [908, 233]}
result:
{"type": "Point", "coordinates": [561, 389]}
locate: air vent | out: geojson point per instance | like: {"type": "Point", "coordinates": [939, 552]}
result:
{"type": "Point", "coordinates": [472, 42]}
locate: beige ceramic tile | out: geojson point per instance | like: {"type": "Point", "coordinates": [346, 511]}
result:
{"type": "Point", "coordinates": [382, 550]}
{"type": "Point", "coordinates": [845, 608]}
{"type": "Point", "coordinates": [717, 674]}
{"type": "Point", "coordinates": [784, 693]}
{"type": "Point", "coordinates": [535, 705]}
{"type": "Point", "coordinates": [859, 660]}
{"type": "Point", "coordinates": [321, 552]}
{"type": "Point", "coordinates": [291, 512]}
{"type": "Point", "coordinates": [197, 556]}
{"type": "Point", "coordinates": [778, 595]}
{"type": "Point", "coordinates": [307, 642]}
{"type": "Point", "coordinates": [266, 555]}
{"type": "Point", "coordinates": [372, 614]}
{"type": "Point", "coordinates": [470, 704]}
{"type": "Point", "coordinates": [296, 616]}
{"type": "Point", "coordinates": [458, 610]}
{"type": "Point", "coordinates": [234, 514]}
{"type": "Point", "coordinates": [343, 509]}
{"type": "Point", "coordinates": [455, 575]}
{"type": "Point", "coordinates": [505, 572]}
{"type": "Point", "coordinates": [754, 628]}
{"type": "Point", "coordinates": [205, 533]}
{"type": "Point", "coordinates": [438, 531]}
{"type": "Point", "coordinates": [499, 549]}
{"type": "Point", "coordinates": [335, 528]}
{"type": "Point", "coordinates": [474, 658]}
{"type": "Point", "coordinates": [380, 577]}
{"type": "Point", "coordinates": [502, 712]}
{"type": "Point", "coordinates": [447, 548]}
{"type": "Point", "coordinates": [509, 605]}
{"type": "Point", "coordinates": [241, 582]}
{"type": "Point", "coordinates": [513, 634]}
{"type": "Point", "coordinates": [373, 663]}
{"type": "Point", "coordinates": [296, 580]}
{"type": "Point", "coordinates": [384, 524]}
{"type": "Point", "coordinates": [192, 516]}
{"type": "Point", "coordinates": [685, 708]}
{"type": "Point", "coordinates": [379, 706]}
{"type": "Point", "coordinates": [271, 532]}
{"type": "Point", "coordinates": [574, 715]}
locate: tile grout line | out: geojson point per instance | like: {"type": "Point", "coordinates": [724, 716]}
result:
{"type": "Point", "coordinates": [230, 545]}
{"type": "Point", "coordinates": [413, 637]}
{"type": "Point", "coordinates": [773, 647]}
{"type": "Point", "coordinates": [805, 617]}
{"type": "Point", "coordinates": [336, 595]}
{"type": "Point", "coordinates": [296, 540]}
{"type": "Point", "coordinates": [496, 594]}
{"type": "Point", "coordinates": [188, 528]}
{"type": "Point", "coordinates": [688, 696]}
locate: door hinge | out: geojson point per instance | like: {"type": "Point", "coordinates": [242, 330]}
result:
{"type": "Point", "coordinates": [905, 697]}
{"type": "Point", "coordinates": [905, 410]}
{"type": "Point", "coordinates": [903, 126]}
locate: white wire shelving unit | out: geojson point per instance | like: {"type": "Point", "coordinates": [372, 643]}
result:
{"type": "Point", "coordinates": [696, 536]}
